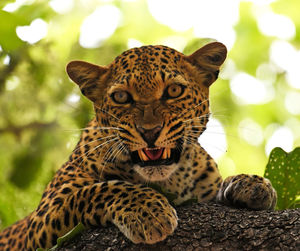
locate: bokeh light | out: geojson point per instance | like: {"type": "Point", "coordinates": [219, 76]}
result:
{"type": "Point", "coordinates": [266, 72]}
{"type": "Point", "coordinates": [33, 33]}
{"type": "Point", "coordinates": [281, 137]}
{"type": "Point", "coordinates": [6, 60]}
{"type": "Point", "coordinates": [250, 90]}
{"type": "Point", "coordinates": [12, 83]}
{"type": "Point", "coordinates": [11, 7]}
{"type": "Point", "coordinates": [62, 6]}
{"type": "Point", "coordinates": [272, 24]}
{"type": "Point", "coordinates": [251, 132]}
{"type": "Point", "coordinates": [99, 26]}
{"type": "Point", "coordinates": [197, 15]}
{"type": "Point", "coordinates": [292, 102]}
{"type": "Point", "coordinates": [73, 98]}
{"type": "Point", "coordinates": [132, 43]}
{"type": "Point", "coordinates": [284, 55]}
{"type": "Point", "coordinates": [213, 139]}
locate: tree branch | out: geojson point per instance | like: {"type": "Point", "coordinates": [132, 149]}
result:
{"type": "Point", "coordinates": [207, 226]}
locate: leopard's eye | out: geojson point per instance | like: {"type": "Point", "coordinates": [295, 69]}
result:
{"type": "Point", "coordinates": [121, 97]}
{"type": "Point", "coordinates": [174, 91]}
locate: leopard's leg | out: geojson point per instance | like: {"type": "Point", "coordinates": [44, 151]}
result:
{"type": "Point", "coordinates": [247, 191]}
{"type": "Point", "coordinates": [140, 212]}
{"type": "Point", "coordinates": [12, 238]}
{"type": "Point", "coordinates": [203, 181]}
{"type": "Point", "coordinates": [196, 178]}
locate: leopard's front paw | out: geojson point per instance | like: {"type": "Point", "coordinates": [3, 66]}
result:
{"type": "Point", "coordinates": [250, 191]}
{"type": "Point", "coordinates": [148, 223]}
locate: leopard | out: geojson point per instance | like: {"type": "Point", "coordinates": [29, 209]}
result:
{"type": "Point", "coordinates": [151, 106]}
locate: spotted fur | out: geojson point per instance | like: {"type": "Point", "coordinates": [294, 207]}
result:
{"type": "Point", "coordinates": [151, 106]}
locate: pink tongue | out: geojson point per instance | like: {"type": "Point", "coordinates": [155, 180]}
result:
{"type": "Point", "coordinates": [153, 154]}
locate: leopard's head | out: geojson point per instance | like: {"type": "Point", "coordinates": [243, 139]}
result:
{"type": "Point", "coordinates": [156, 99]}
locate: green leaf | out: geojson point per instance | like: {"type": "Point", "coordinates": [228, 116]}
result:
{"type": "Point", "coordinates": [295, 204]}
{"type": "Point", "coordinates": [35, 10]}
{"type": "Point", "coordinates": [25, 167]}
{"type": "Point", "coordinates": [283, 170]}
{"type": "Point", "coordinates": [68, 236]}
{"type": "Point", "coordinates": [8, 23]}
{"type": "Point", "coordinates": [5, 2]}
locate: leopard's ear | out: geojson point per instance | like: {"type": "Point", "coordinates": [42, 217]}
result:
{"type": "Point", "coordinates": [89, 77]}
{"type": "Point", "coordinates": [209, 58]}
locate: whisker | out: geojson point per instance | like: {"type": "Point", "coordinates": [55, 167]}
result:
{"type": "Point", "coordinates": [79, 146]}
{"type": "Point", "coordinates": [100, 153]}
{"type": "Point", "coordinates": [107, 112]}
{"type": "Point", "coordinates": [190, 108]}
{"type": "Point", "coordinates": [109, 152]}
{"type": "Point", "coordinates": [211, 116]}
{"type": "Point", "coordinates": [202, 102]}
{"type": "Point", "coordinates": [180, 146]}
{"type": "Point", "coordinates": [93, 149]}
{"type": "Point", "coordinates": [115, 151]}
{"type": "Point", "coordinates": [203, 126]}
{"type": "Point", "coordinates": [226, 134]}
{"type": "Point", "coordinates": [119, 151]}
{"type": "Point", "coordinates": [198, 145]}
{"type": "Point", "coordinates": [198, 118]}
{"type": "Point", "coordinates": [213, 126]}
{"type": "Point", "coordinates": [103, 166]}
{"type": "Point", "coordinates": [76, 108]}
{"type": "Point", "coordinates": [217, 133]}
{"type": "Point", "coordinates": [195, 126]}
{"type": "Point", "coordinates": [207, 115]}
{"type": "Point", "coordinates": [190, 139]}
{"type": "Point", "coordinates": [218, 113]}
{"type": "Point", "coordinates": [222, 150]}
{"type": "Point", "coordinates": [106, 142]}
{"type": "Point", "coordinates": [94, 128]}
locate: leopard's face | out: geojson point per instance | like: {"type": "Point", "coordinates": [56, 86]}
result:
{"type": "Point", "coordinates": [155, 98]}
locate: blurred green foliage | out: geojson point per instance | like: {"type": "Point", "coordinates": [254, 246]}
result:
{"type": "Point", "coordinates": [39, 121]}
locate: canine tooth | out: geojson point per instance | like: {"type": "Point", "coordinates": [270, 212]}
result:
{"type": "Point", "coordinates": [142, 155]}
{"type": "Point", "coordinates": [169, 152]}
{"type": "Point", "coordinates": [154, 148]}
{"type": "Point", "coordinates": [165, 154]}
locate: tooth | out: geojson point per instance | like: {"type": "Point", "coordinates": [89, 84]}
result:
{"type": "Point", "coordinates": [164, 156]}
{"type": "Point", "coordinates": [154, 148]}
{"type": "Point", "coordinates": [142, 155]}
{"type": "Point", "coordinates": [169, 152]}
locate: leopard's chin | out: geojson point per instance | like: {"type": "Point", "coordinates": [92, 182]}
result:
{"type": "Point", "coordinates": [155, 164]}
{"type": "Point", "coordinates": [155, 173]}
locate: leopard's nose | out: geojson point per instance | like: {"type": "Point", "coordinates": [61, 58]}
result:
{"type": "Point", "coordinates": [150, 135]}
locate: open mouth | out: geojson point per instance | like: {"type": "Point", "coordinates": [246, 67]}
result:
{"type": "Point", "coordinates": [155, 156]}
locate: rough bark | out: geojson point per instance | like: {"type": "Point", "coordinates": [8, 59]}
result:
{"type": "Point", "coordinates": [207, 226]}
